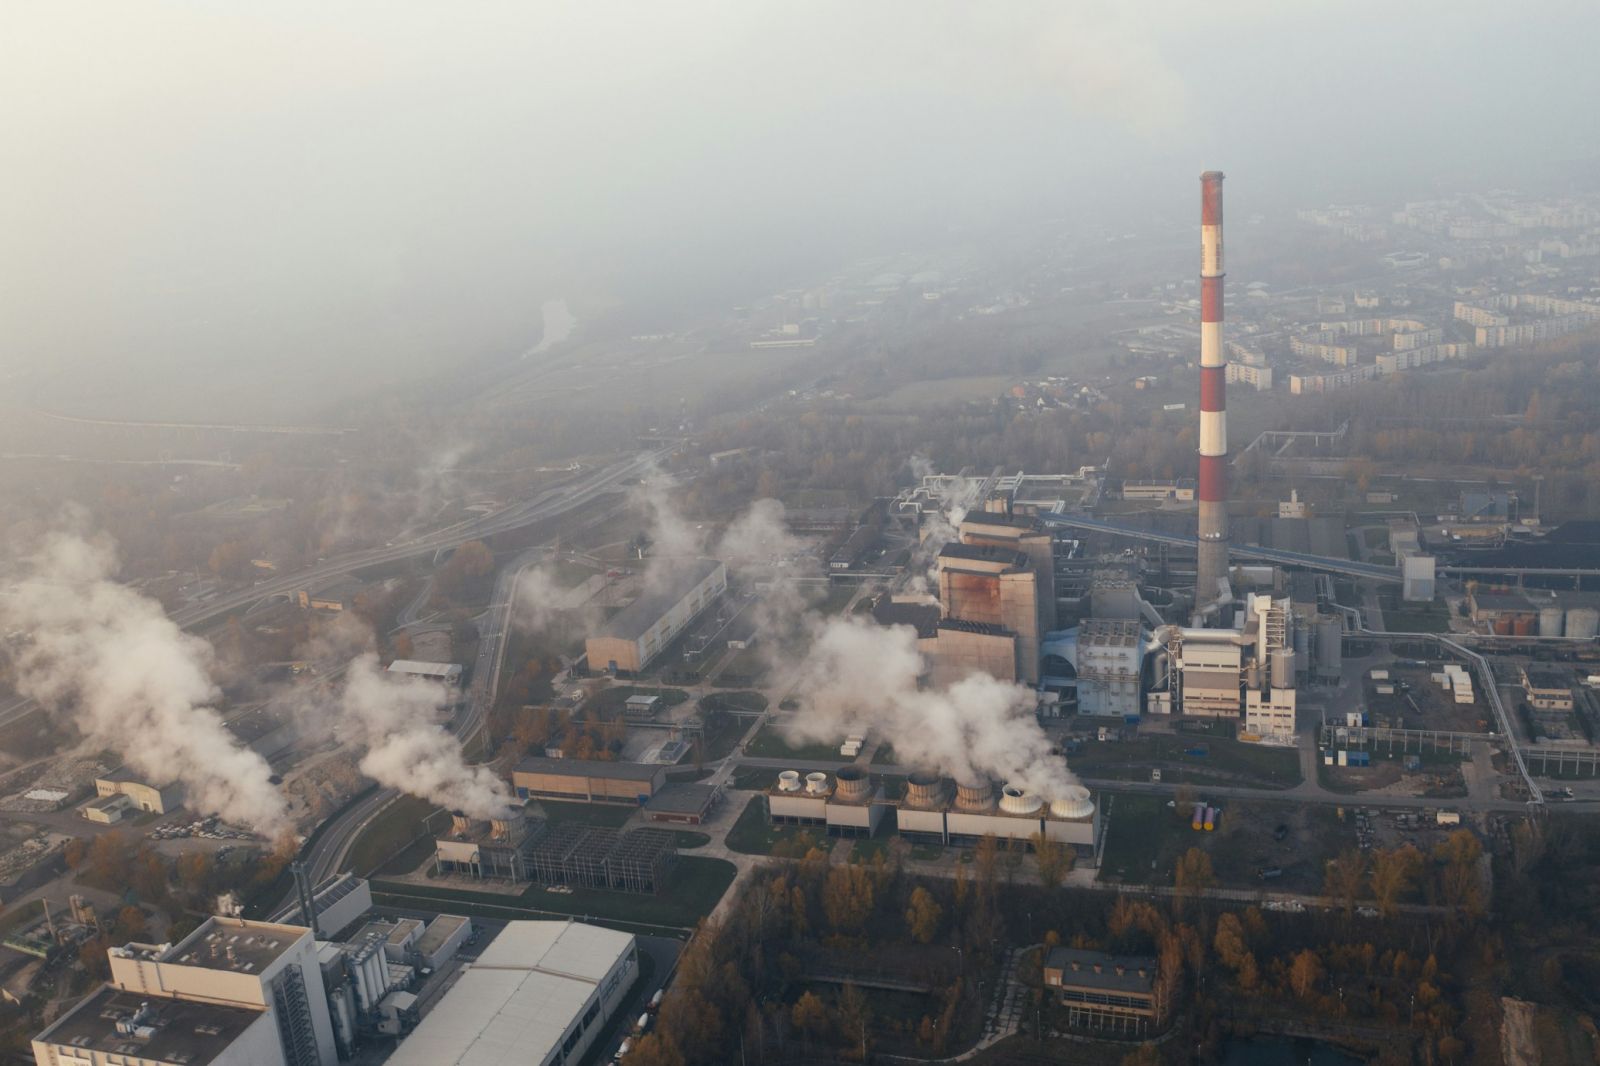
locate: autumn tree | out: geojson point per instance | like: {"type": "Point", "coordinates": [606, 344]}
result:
{"type": "Point", "coordinates": [1344, 877]}
{"type": "Point", "coordinates": [847, 898]}
{"type": "Point", "coordinates": [810, 1015]}
{"type": "Point", "coordinates": [1192, 876]}
{"type": "Point", "coordinates": [923, 915]}
{"type": "Point", "coordinates": [1053, 859]}
{"type": "Point", "coordinates": [1394, 873]}
{"type": "Point", "coordinates": [1233, 951]}
{"type": "Point", "coordinates": [1305, 973]}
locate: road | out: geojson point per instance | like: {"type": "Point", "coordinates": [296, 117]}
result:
{"type": "Point", "coordinates": [328, 854]}
{"type": "Point", "coordinates": [547, 504]}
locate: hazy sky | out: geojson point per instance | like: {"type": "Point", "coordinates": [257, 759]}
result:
{"type": "Point", "coordinates": [296, 185]}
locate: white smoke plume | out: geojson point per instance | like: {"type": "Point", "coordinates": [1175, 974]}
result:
{"type": "Point", "coordinates": [673, 538]}
{"type": "Point", "coordinates": [956, 496]}
{"type": "Point", "coordinates": [407, 749]}
{"type": "Point", "coordinates": [860, 677]}
{"type": "Point", "coordinates": [542, 602]}
{"type": "Point", "coordinates": [759, 547]}
{"type": "Point", "coordinates": [132, 681]}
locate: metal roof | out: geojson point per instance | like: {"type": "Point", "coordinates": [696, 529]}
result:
{"type": "Point", "coordinates": [518, 999]}
{"type": "Point", "coordinates": [181, 1030]}
{"type": "Point", "coordinates": [624, 771]}
{"type": "Point", "coordinates": [682, 798]}
{"type": "Point", "coordinates": [635, 620]}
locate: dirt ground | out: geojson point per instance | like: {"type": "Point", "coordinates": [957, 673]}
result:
{"type": "Point", "coordinates": [1419, 703]}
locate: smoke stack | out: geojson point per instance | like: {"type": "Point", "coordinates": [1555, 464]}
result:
{"type": "Point", "coordinates": [1212, 562]}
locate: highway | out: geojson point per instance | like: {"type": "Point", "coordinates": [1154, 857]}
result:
{"type": "Point", "coordinates": [547, 504]}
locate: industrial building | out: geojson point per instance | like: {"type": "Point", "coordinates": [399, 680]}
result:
{"type": "Point", "coordinates": [1103, 991]}
{"type": "Point", "coordinates": [600, 857]}
{"type": "Point", "coordinates": [641, 631]}
{"type": "Point", "coordinates": [444, 673]}
{"type": "Point", "coordinates": [540, 993]}
{"type": "Point", "coordinates": [496, 848]}
{"type": "Point", "coordinates": [233, 992]}
{"type": "Point", "coordinates": [336, 904]}
{"type": "Point", "coordinates": [682, 803]}
{"type": "Point", "coordinates": [587, 780]}
{"type": "Point", "coordinates": [1543, 613]}
{"type": "Point", "coordinates": [934, 808]}
{"type": "Point", "coordinates": [1548, 690]}
{"type": "Point", "coordinates": [107, 810]}
{"type": "Point", "coordinates": [125, 781]}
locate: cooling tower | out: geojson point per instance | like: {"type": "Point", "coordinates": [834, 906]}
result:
{"type": "Point", "coordinates": [851, 784]}
{"type": "Point", "coordinates": [974, 796]}
{"type": "Point", "coordinates": [1074, 804]}
{"type": "Point", "coordinates": [1014, 799]}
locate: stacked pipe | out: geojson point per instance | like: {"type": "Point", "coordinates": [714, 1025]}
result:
{"type": "Point", "coordinates": [1212, 564]}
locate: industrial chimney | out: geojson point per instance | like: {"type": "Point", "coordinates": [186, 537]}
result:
{"type": "Point", "coordinates": [1212, 563]}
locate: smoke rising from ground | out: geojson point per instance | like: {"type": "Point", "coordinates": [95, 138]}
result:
{"type": "Point", "coordinates": [862, 677]}
{"type": "Point", "coordinates": [673, 538]}
{"type": "Point", "coordinates": [132, 681]}
{"type": "Point", "coordinates": [394, 719]}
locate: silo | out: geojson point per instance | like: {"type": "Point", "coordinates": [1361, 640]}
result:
{"type": "Point", "coordinates": [1583, 623]}
{"type": "Point", "coordinates": [1283, 668]}
{"type": "Point", "coordinates": [1199, 820]}
{"type": "Point", "coordinates": [1524, 625]}
{"type": "Point", "coordinates": [1330, 647]}
{"type": "Point", "coordinates": [1551, 620]}
{"type": "Point", "coordinates": [1211, 818]}
{"type": "Point", "coordinates": [1503, 625]}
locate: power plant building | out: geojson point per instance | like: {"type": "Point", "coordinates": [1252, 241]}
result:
{"type": "Point", "coordinates": [587, 780]}
{"type": "Point", "coordinates": [641, 631]}
{"type": "Point", "coordinates": [541, 993]}
{"type": "Point", "coordinates": [233, 992]}
{"type": "Point", "coordinates": [935, 808]}
{"type": "Point", "coordinates": [496, 848]}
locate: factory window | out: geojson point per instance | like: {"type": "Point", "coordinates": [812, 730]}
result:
{"type": "Point", "coordinates": [590, 1014]}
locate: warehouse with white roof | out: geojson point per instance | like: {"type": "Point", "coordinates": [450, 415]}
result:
{"type": "Point", "coordinates": [541, 992]}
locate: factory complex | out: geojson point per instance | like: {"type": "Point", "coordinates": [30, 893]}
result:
{"type": "Point", "coordinates": [276, 993]}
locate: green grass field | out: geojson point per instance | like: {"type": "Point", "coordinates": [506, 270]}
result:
{"type": "Point", "coordinates": [604, 814]}
{"type": "Point", "coordinates": [769, 743]}
{"type": "Point", "coordinates": [697, 884]}
{"type": "Point", "coordinates": [397, 827]}
{"type": "Point", "coordinates": [752, 834]}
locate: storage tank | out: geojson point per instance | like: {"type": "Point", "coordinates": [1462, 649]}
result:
{"type": "Point", "coordinates": [789, 781]}
{"type": "Point", "coordinates": [817, 783]}
{"type": "Point", "coordinates": [1211, 818]}
{"type": "Point", "coordinates": [1014, 799]}
{"type": "Point", "coordinates": [1302, 644]}
{"type": "Point", "coordinates": [1330, 647]}
{"type": "Point", "coordinates": [852, 783]}
{"type": "Point", "coordinates": [1583, 623]}
{"type": "Point", "coordinates": [1283, 668]}
{"type": "Point", "coordinates": [1503, 625]}
{"type": "Point", "coordinates": [1524, 625]}
{"type": "Point", "coordinates": [1199, 821]}
{"type": "Point", "coordinates": [974, 796]}
{"type": "Point", "coordinates": [1073, 804]}
{"type": "Point", "coordinates": [924, 789]}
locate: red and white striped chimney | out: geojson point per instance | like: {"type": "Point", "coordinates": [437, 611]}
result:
{"type": "Point", "coordinates": [1212, 564]}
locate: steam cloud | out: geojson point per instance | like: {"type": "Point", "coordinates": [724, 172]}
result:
{"type": "Point", "coordinates": [132, 681]}
{"type": "Point", "coordinates": [860, 676]}
{"type": "Point", "coordinates": [854, 676]}
{"type": "Point", "coordinates": [407, 749]}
